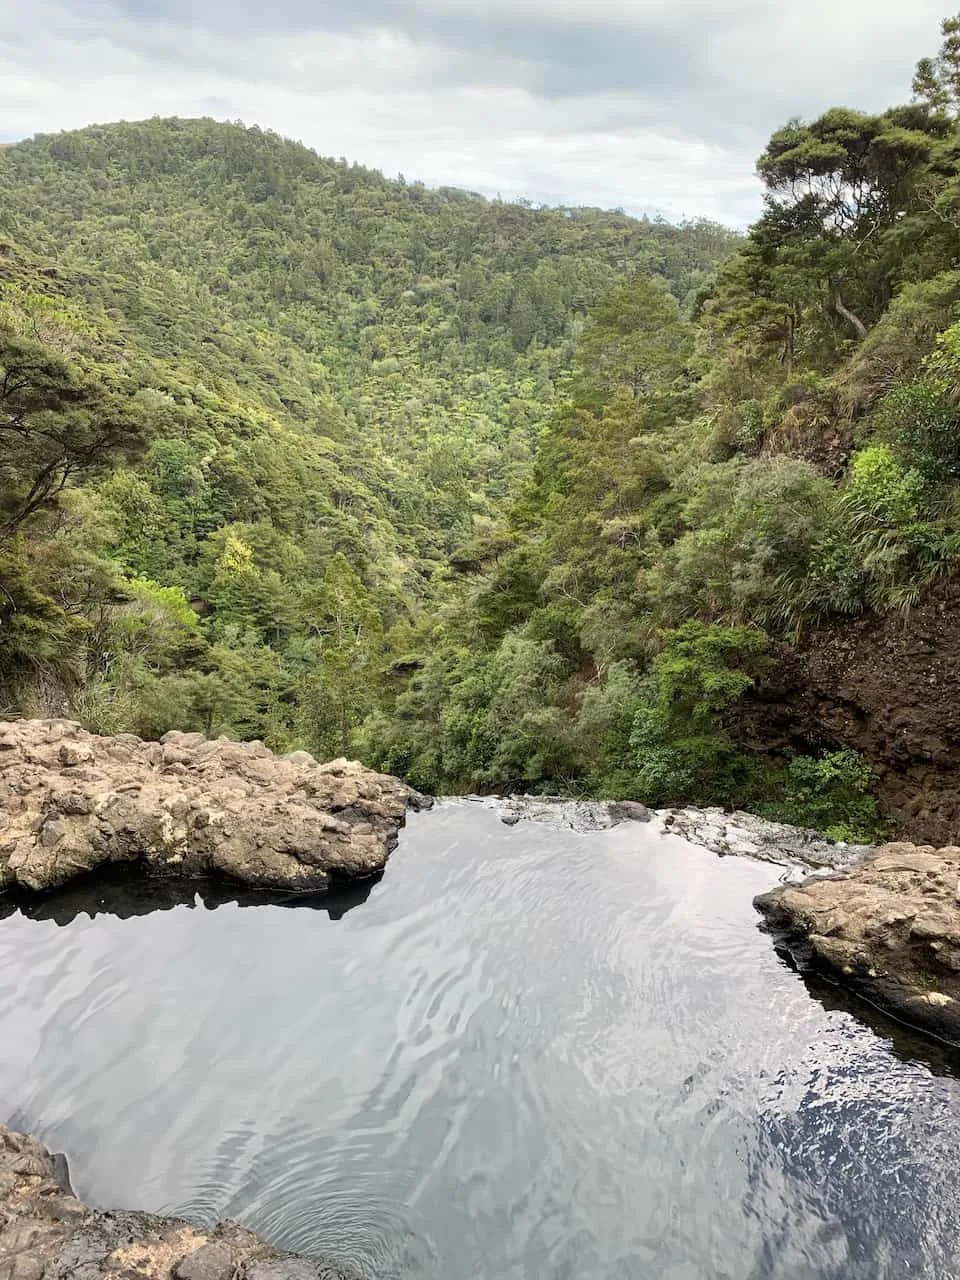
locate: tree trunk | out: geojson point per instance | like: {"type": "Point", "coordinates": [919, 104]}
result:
{"type": "Point", "coordinates": [848, 315]}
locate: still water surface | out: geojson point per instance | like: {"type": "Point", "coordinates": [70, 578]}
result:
{"type": "Point", "coordinates": [526, 1054]}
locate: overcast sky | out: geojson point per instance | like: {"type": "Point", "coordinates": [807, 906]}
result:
{"type": "Point", "coordinates": [650, 105]}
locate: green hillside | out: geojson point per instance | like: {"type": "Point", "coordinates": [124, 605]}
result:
{"type": "Point", "coordinates": [495, 497]}
{"type": "Point", "coordinates": [722, 490]}
{"type": "Point", "coordinates": [256, 401]}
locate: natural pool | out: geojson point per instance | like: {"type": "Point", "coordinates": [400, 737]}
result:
{"type": "Point", "coordinates": [526, 1052]}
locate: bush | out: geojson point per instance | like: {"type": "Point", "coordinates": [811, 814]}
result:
{"type": "Point", "coordinates": [676, 767]}
{"type": "Point", "coordinates": [923, 424]}
{"type": "Point", "coordinates": [832, 795]}
{"type": "Point", "coordinates": [681, 749]}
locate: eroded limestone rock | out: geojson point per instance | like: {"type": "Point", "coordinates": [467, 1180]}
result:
{"type": "Point", "coordinates": [888, 928]}
{"type": "Point", "coordinates": [46, 1233]}
{"type": "Point", "coordinates": [71, 802]}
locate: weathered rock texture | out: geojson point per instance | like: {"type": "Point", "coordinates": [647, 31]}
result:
{"type": "Point", "coordinates": [748, 836]}
{"type": "Point", "coordinates": [887, 928]}
{"type": "Point", "coordinates": [561, 811]}
{"type": "Point", "coordinates": [71, 802]}
{"type": "Point", "coordinates": [47, 1234]}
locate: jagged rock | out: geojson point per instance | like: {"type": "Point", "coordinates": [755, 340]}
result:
{"type": "Point", "coordinates": [748, 836]}
{"type": "Point", "coordinates": [46, 1233]}
{"type": "Point", "coordinates": [887, 928]}
{"type": "Point", "coordinates": [71, 802]}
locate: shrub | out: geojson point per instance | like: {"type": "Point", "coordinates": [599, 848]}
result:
{"type": "Point", "coordinates": [831, 794]}
{"type": "Point", "coordinates": [681, 748]}
{"type": "Point", "coordinates": [923, 423]}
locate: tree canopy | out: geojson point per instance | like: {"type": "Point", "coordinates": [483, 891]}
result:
{"type": "Point", "coordinates": [494, 496]}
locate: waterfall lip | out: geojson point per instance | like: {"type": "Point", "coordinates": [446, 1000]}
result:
{"type": "Point", "coordinates": [746, 835]}
{"type": "Point", "coordinates": [725, 833]}
{"type": "Point", "coordinates": [567, 812]}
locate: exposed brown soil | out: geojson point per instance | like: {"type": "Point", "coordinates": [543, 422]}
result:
{"type": "Point", "coordinates": [889, 687]}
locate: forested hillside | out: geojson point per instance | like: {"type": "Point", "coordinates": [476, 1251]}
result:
{"type": "Point", "coordinates": [255, 405]}
{"type": "Point", "coordinates": [496, 497]}
{"type": "Point", "coordinates": [742, 520]}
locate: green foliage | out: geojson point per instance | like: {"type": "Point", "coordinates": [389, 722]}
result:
{"type": "Point", "coordinates": [896, 347]}
{"type": "Point", "coordinates": [679, 739]}
{"type": "Point", "coordinates": [937, 80]}
{"type": "Point", "coordinates": [698, 671]}
{"type": "Point", "coordinates": [497, 497]}
{"type": "Point", "coordinates": [880, 492]}
{"type": "Point", "coordinates": [778, 456]}
{"type": "Point", "coordinates": [57, 425]}
{"type": "Point", "coordinates": [290, 389]}
{"type": "Point", "coordinates": [831, 794]}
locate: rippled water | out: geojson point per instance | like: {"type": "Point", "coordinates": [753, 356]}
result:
{"type": "Point", "coordinates": [525, 1053]}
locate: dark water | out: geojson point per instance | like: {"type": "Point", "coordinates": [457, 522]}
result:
{"type": "Point", "coordinates": [525, 1053]}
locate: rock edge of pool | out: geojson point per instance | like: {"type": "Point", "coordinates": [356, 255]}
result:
{"type": "Point", "coordinates": [883, 923]}
{"type": "Point", "coordinates": [46, 1233]}
{"type": "Point", "coordinates": [73, 802]}
{"type": "Point", "coordinates": [887, 928]}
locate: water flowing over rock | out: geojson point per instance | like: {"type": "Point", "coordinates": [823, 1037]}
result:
{"type": "Point", "coordinates": [747, 836]}
{"type": "Point", "coordinates": [562, 811]}
{"type": "Point", "coordinates": [71, 802]}
{"type": "Point", "coordinates": [46, 1233]}
{"type": "Point", "coordinates": [887, 928]}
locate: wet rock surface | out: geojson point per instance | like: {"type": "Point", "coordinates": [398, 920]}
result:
{"type": "Point", "coordinates": [747, 836]}
{"type": "Point", "coordinates": [72, 802]}
{"type": "Point", "coordinates": [46, 1233]}
{"type": "Point", "coordinates": [740, 834]}
{"type": "Point", "coordinates": [561, 811]}
{"type": "Point", "coordinates": [887, 928]}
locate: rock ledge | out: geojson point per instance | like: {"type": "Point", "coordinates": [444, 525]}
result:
{"type": "Point", "coordinates": [887, 928]}
{"type": "Point", "coordinates": [46, 1233]}
{"type": "Point", "coordinates": [71, 802]}
{"type": "Point", "coordinates": [747, 836]}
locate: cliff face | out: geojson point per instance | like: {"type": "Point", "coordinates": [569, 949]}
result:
{"type": "Point", "coordinates": [890, 688]}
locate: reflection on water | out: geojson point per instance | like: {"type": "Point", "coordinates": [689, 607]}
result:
{"type": "Point", "coordinates": [128, 893]}
{"type": "Point", "coordinates": [526, 1053]}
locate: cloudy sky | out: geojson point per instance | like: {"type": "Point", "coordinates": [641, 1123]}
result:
{"type": "Point", "coordinates": [649, 105]}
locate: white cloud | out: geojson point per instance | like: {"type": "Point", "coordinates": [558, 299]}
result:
{"type": "Point", "coordinates": [644, 104]}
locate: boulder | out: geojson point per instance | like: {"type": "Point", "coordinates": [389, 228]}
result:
{"type": "Point", "coordinates": [46, 1233]}
{"type": "Point", "coordinates": [887, 928]}
{"type": "Point", "coordinates": [72, 802]}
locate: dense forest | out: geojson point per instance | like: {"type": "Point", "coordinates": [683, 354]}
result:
{"type": "Point", "coordinates": [492, 496]}
{"type": "Point", "coordinates": [255, 404]}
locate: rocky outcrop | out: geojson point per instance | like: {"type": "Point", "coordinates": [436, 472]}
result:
{"type": "Point", "coordinates": [46, 1233]}
{"type": "Point", "coordinates": [72, 802]}
{"type": "Point", "coordinates": [561, 811]}
{"type": "Point", "coordinates": [747, 836]}
{"type": "Point", "coordinates": [887, 928]}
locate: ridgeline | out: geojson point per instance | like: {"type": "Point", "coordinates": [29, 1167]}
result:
{"type": "Point", "coordinates": [491, 496]}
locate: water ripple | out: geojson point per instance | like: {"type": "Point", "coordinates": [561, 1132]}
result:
{"type": "Point", "coordinates": [529, 1053]}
